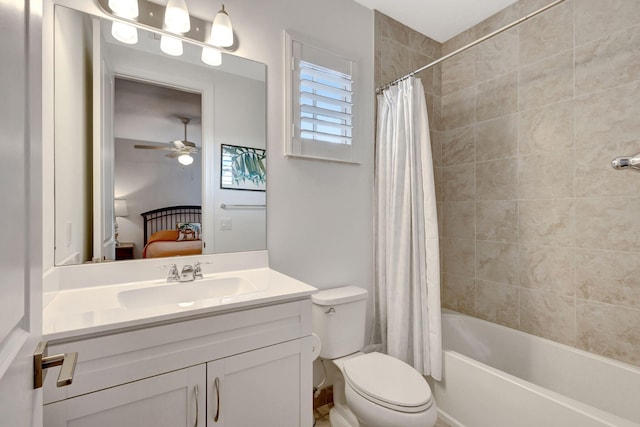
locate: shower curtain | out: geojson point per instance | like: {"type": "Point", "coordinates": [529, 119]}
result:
{"type": "Point", "coordinates": [407, 251]}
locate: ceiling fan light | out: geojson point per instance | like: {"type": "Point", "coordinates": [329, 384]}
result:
{"type": "Point", "coordinates": [176, 17]}
{"type": "Point", "coordinates": [185, 159]}
{"type": "Point", "coordinates": [221, 30]}
{"type": "Point", "coordinates": [171, 45]}
{"type": "Point", "coordinates": [124, 33]}
{"type": "Point", "coordinates": [124, 8]}
{"type": "Point", "coordinates": [211, 56]}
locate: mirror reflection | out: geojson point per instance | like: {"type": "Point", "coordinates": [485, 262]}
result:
{"type": "Point", "coordinates": [155, 155]}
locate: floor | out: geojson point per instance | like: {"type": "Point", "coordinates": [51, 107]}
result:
{"type": "Point", "coordinates": [322, 418]}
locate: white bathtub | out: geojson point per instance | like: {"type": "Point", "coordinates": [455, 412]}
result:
{"type": "Point", "coordinates": [499, 377]}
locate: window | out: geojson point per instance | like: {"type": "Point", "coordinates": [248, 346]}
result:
{"type": "Point", "coordinates": [320, 103]}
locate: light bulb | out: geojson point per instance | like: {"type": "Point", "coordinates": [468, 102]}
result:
{"type": "Point", "coordinates": [211, 56]}
{"type": "Point", "coordinates": [185, 159]}
{"type": "Point", "coordinates": [124, 33]}
{"type": "Point", "coordinates": [124, 8]}
{"type": "Point", "coordinates": [171, 45]}
{"type": "Point", "coordinates": [176, 17]}
{"type": "Point", "coordinates": [221, 30]}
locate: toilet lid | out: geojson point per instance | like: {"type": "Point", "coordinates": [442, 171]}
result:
{"type": "Point", "coordinates": [388, 381]}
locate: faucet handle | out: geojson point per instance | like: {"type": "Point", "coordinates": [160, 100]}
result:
{"type": "Point", "coordinates": [173, 275]}
{"type": "Point", "coordinates": [197, 270]}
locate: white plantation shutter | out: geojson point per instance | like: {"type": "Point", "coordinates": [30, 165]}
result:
{"type": "Point", "coordinates": [321, 103]}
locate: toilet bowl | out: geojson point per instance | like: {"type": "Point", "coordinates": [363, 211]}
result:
{"type": "Point", "coordinates": [372, 389]}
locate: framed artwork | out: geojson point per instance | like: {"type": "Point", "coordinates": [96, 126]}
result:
{"type": "Point", "coordinates": [243, 168]}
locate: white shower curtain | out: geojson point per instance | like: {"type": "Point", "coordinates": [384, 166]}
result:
{"type": "Point", "coordinates": [407, 251]}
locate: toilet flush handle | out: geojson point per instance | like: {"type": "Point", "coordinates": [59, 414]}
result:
{"type": "Point", "coordinates": [330, 311]}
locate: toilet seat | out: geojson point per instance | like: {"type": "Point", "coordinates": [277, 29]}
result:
{"type": "Point", "coordinates": [388, 382]}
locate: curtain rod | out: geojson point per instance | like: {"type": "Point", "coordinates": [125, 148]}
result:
{"type": "Point", "coordinates": [470, 45]}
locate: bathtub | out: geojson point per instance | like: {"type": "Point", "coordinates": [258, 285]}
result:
{"type": "Point", "coordinates": [495, 376]}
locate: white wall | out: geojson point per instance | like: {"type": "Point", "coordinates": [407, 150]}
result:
{"type": "Point", "coordinates": [319, 219]}
{"type": "Point", "coordinates": [73, 132]}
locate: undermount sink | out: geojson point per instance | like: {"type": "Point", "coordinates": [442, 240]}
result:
{"type": "Point", "coordinates": [186, 294]}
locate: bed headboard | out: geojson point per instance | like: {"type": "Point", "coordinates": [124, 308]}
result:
{"type": "Point", "coordinates": [166, 218]}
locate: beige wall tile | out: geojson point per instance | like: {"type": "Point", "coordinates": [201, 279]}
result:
{"type": "Point", "coordinates": [436, 147]}
{"type": "Point", "coordinates": [609, 330]}
{"type": "Point", "coordinates": [458, 72]}
{"type": "Point", "coordinates": [497, 56]}
{"type": "Point", "coordinates": [497, 139]}
{"type": "Point", "coordinates": [608, 277]}
{"type": "Point", "coordinates": [548, 315]}
{"type": "Point", "coordinates": [608, 116]}
{"type": "Point", "coordinates": [396, 59]}
{"type": "Point", "coordinates": [593, 175]}
{"type": "Point", "coordinates": [497, 97]}
{"type": "Point", "coordinates": [546, 175]}
{"type": "Point", "coordinates": [547, 34]}
{"type": "Point", "coordinates": [427, 46]}
{"type": "Point", "coordinates": [418, 60]}
{"type": "Point", "coordinates": [459, 41]}
{"type": "Point", "coordinates": [458, 183]}
{"type": "Point", "coordinates": [546, 82]}
{"type": "Point", "coordinates": [392, 29]}
{"type": "Point", "coordinates": [545, 129]}
{"type": "Point", "coordinates": [547, 222]}
{"type": "Point", "coordinates": [547, 268]}
{"type": "Point", "coordinates": [458, 146]}
{"type": "Point", "coordinates": [497, 303]}
{"type": "Point", "coordinates": [608, 62]}
{"type": "Point", "coordinates": [458, 109]}
{"type": "Point", "coordinates": [596, 18]}
{"type": "Point", "coordinates": [497, 262]}
{"type": "Point", "coordinates": [459, 294]}
{"type": "Point", "coordinates": [608, 223]}
{"type": "Point", "coordinates": [458, 256]}
{"type": "Point", "coordinates": [496, 179]}
{"type": "Point", "coordinates": [458, 219]}
{"type": "Point", "coordinates": [497, 220]}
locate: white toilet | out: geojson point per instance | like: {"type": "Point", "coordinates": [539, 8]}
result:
{"type": "Point", "coordinates": [369, 390]}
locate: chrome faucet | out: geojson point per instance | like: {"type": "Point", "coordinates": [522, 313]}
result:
{"type": "Point", "coordinates": [197, 271]}
{"type": "Point", "coordinates": [173, 275]}
{"type": "Point", "coordinates": [186, 275]}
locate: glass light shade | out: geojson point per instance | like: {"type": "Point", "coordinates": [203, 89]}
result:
{"type": "Point", "coordinates": [211, 56]}
{"type": "Point", "coordinates": [124, 33]}
{"type": "Point", "coordinates": [176, 17]}
{"type": "Point", "coordinates": [124, 8]}
{"type": "Point", "coordinates": [171, 45]}
{"type": "Point", "coordinates": [221, 30]}
{"type": "Point", "coordinates": [185, 159]}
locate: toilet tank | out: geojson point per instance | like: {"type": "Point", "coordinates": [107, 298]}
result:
{"type": "Point", "coordinates": [339, 320]}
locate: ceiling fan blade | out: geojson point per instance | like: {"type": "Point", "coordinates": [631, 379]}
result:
{"type": "Point", "coordinates": [189, 143]}
{"type": "Point", "coordinates": [153, 147]}
{"type": "Point", "coordinates": [173, 155]}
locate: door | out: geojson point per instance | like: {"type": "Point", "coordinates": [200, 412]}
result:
{"type": "Point", "coordinates": [259, 388]}
{"type": "Point", "coordinates": [175, 399]}
{"type": "Point", "coordinates": [20, 210]}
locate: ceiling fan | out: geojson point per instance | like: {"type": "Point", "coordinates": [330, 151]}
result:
{"type": "Point", "coordinates": [180, 149]}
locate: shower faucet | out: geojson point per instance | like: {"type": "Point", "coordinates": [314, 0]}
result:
{"type": "Point", "coordinates": [621, 163]}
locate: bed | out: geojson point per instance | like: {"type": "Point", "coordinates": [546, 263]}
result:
{"type": "Point", "coordinates": [163, 238]}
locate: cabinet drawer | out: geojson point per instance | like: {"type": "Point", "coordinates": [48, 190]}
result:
{"type": "Point", "coordinates": [110, 360]}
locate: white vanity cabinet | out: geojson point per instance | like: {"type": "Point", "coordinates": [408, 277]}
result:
{"type": "Point", "coordinates": [250, 368]}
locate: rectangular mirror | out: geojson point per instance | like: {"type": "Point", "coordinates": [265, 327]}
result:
{"type": "Point", "coordinates": [139, 136]}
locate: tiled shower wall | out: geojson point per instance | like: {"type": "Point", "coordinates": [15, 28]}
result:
{"type": "Point", "coordinates": [537, 231]}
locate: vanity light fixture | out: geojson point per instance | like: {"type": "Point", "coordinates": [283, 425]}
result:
{"type": "Point", "coordinates": [122, 32]}
{"type": "Point", "coordinates": [221, 30]}
{"type": "Point", "coordinates": [211, 56]}
{"type": "Point", "coordinates": [125, 8]}
{"type": "Point", "coordinates": [176, 17]}
{"type": "Point", "coordinates": [171, 45]}
{"type": "Point", "coordinates": [185, 159]}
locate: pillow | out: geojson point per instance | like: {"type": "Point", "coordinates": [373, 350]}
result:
{"type": "Point", "coordinates": [188, 231]}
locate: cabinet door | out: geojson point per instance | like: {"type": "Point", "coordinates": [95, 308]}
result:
{"type": "Point", "coordinates": [260, 388]}
{"type": "Point", "coordinates": [170, 400]}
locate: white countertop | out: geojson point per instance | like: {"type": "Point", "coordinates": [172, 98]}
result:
{"type": "Point", "coordinates": [98, 310]}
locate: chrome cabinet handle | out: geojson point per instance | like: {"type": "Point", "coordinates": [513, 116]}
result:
{"type": "Point", "coordinates": [195, 394]}
{"type": "Point", "coordinates": [216, 386]}
{"type": "Point", "coordinates": [42, 361]}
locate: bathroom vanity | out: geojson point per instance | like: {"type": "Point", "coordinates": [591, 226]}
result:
{"type": "Point", "coordinates": [237, 354]}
